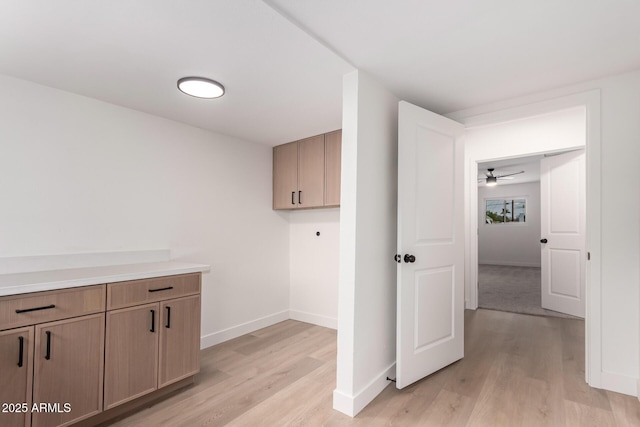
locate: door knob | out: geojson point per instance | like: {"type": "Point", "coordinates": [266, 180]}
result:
{"type": "Point", "coordinates": [543, 240]}
{"type": "Point", "coordinates": [409, 258]}
{"type": "Point", "coordinates": [398, 258]}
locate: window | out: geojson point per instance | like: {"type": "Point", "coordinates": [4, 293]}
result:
{"type": "Point", "coordinates": [500, 211]}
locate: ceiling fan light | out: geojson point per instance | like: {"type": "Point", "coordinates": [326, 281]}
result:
{"type": "Point", "coordinates": [201, 87]}
{"type": "Point", "coordinates": [491, 181]}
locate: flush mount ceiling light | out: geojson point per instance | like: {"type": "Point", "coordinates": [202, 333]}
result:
{"type": "Point", "coordinates": [201, 87]}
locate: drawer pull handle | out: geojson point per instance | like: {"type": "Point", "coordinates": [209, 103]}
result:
{"type": "Point", "coordinates": [48, 355]}
{"type": "Point", "coordinates": [161, 289]}
{"type": "Point", "coordinates": [26, 310]}
{"type": "Point", "coordinates": [21, 352]}
{"type": "Point", "coordinates": [153, 321]}
{"type": "Point", "coordinates": [168, 317]}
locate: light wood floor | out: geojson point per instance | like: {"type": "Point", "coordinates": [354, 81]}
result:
{"type": "Point", "coordinates": [518, 370]}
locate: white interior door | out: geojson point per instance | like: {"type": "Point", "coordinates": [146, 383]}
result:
{"type": "Point", "coordinates": [562, 221]}
{"type": "Point", "coordinates": [430, 327]}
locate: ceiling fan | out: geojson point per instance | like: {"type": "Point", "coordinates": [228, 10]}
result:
{"type": "Point", "coordinates": [492, 179]}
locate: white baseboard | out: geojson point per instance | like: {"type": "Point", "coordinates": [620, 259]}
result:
{"type": "Point", "coordinates": [242, 329]}
{"type": "Point", "coordinates": [468, 306]}
{"type": "Point", "coordinates": [511, 264]}
{"type": "Point", "coordinates": [253, 325]}
{"type": "Point", "coordinates": [316, 319]}
{"type": "Point", "coordinates": [343, 403]}
{"type": "Point", "coordinates": [352, 405]}
{"type": "Point", "coordinates": [620, 383]}
{"type": "Point", "coordinates": [26, 264]}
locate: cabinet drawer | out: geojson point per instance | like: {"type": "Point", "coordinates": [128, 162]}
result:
{"type": "Point", "coordinates": [39, 307]}
{"type": "Point", "coordinates": [135, 292]}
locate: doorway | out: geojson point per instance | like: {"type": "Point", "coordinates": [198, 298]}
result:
{"type": "Point", "coordinates": [515, 131]}
{"type": "Point", "coordinates": [429, 291]}
{"type": "Point", "coordinates": [510, 213]}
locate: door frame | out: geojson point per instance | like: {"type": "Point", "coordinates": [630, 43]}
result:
{"type": "Point", "coordinates": [589, 100]}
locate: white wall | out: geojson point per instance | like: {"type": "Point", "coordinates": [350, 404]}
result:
{"type": "Point", "coordinates": [368, 238]}
{"type": "Point", "coordinates": [314, 262]}
{"type": "Point", "coordinates": [513, 243]}
{"type": "Point", "coordinates": [616, 325]}
{"type": "Point", "coordinates": [620, 239]}
{"type": "Point", "coordinates": [80, 175]}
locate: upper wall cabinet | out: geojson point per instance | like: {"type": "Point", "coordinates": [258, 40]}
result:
{"type": "Point", "coordinates": [332, 164]}
{"type": "Point", "coordinates": [306, 173]}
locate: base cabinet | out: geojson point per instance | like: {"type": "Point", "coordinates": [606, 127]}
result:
{"type": "Point", "coordinates": [16, 368]}
{"type": "Point", "coordinates": [52, 356]}
{"type": "Point", "coordinates": [131, 354]}
{"type": "Point", "coordinates": [70, 355]}
{"type": "Point", "coordinates": [68, 370]}
{"type": "Point", "coordinates": [179, 339]}
{"type": "Point", "coordinates": [152, 345]}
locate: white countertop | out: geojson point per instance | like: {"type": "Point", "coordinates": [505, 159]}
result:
{"type": "Point", "coordinates": [21, 283]}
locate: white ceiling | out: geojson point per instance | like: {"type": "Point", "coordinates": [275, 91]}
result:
{"type": "Point", "coordinates": [278, 60]}
{"type": "Point", "coordinates": [448, 56]}
{"type": "Point", "coordinates": [281, 84]}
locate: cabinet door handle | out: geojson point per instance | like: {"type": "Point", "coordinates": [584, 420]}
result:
{"type": "Point", "coordinates": [26, 310]}
{"type": "Point", "coordinates": [161, 289]}
{"type": "Point", "coordinates": [153, 321]}
{"type": "Point", "coordinates": [293, 194]}
{"type": "Point", "coordinates": [21, 352]}
{"type": "Point", "coordinates": [48, 355]}
{"type": "Point", "coordinates": [168, 317]}
{"type": "Point", "coordinates": [300, 197]}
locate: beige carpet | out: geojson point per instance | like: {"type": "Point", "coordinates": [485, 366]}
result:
{"type": "Point", "coordinates": [513, 289]}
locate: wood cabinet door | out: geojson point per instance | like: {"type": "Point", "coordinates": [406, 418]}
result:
{"type": "Point", "coordinates": [285, 176]}
{"type": "Point", "coordinates": [16, 369]}
{"type": "Point", "coordinates": [179, 339]}
{"type": "Point", "coordinates": [131, 353]}
{"type": "Point", "coordinates": [311, 172]}
{"type": "Point", "coordinates": [68, 367]}
{"type": "Point", "coordinates": [332, 165]}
